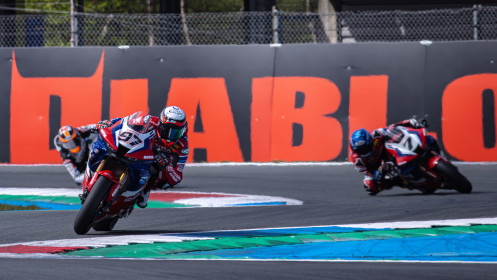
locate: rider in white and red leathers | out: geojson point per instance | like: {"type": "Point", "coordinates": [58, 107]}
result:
{"type": "Point", "coordinates": [367, 153]}
{"type": "Point", "coordinates": [73, 145]}
{"type": "Point", "coordinates": [172, 152]}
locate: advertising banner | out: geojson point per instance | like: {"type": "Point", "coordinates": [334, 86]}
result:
{"type": "Point", "coordinates": [254, 103]}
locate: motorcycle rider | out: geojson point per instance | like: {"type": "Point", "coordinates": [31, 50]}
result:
{"type": "Point", "coordinates": [170, 147]}
{"type": "Point", "coordinates": [367, 153]}
{"type": "Point", "coordinates": [73, 145]}
{"type": "Point", "coordinates": [171, 152]}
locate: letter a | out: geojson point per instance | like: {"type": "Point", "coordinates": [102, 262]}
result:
{"type": "Point", "coordinates": [219, 137]}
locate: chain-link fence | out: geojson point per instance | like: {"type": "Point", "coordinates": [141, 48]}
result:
{"type": "Point", "coordinates": [477, 23]}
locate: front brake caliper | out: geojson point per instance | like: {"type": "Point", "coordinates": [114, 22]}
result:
{"type": "Point", "coordinates": [83, 196]}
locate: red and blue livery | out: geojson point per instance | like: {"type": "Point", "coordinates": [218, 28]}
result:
{"type": "Point", "coordinates": [117, 171]}
{"type": "Point", "coordinates": [416, 158]}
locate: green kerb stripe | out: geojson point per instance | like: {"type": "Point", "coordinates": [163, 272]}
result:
{"type": "Point", "coordinates": [52, 199]}
{"type": "Point", "coordinates": [75, 200]}
{"type": "Point", "coordinates": [167, 250]}
{"type": "Point", "coordinates": [161, 204]}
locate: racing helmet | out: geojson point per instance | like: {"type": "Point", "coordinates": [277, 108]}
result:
{"type": "Point", "coordinates": [70, 139]}
{"type": "Point", "coordinates": [172, 124]}
{"type": "Point", "coordinates": [361, 142]}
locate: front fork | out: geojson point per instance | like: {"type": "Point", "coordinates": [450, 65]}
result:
{"type": "Point", "coordinates": [111, 169]}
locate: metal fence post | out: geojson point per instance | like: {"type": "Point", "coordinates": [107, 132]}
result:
{"type": "Point", "coordinates": [276, 39]}
{"type": "Point", "coordinates": [476, 23]}
{"type": "Point", "coordinates": [74, 26]}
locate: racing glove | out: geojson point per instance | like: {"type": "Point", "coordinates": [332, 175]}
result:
{"type": "Point", "coordinates": [104, 124]}
{"type": "Point", "coordinates": [422, 123]}
{"type": "Point", "coordinates": [414, 122]}
{"type": "Point", "coordinates": [161, 160]}
{"type": "Point", "coordinates": [101, 124]}
{"type": "Point", "coordinates": [386, 171]}
{"type": "Point", "coordinates": [378, 175]}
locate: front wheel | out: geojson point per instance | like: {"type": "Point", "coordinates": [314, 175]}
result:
{"type": "Point", "coordinates": [86, 214]}
{"type": "Point", "coordinates": [452, 176]}
{"type": "Point", "coordinates": [106, 224]}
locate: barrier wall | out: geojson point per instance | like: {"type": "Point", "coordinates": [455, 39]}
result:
{"type": "Point", "coordinates": [254, 103]}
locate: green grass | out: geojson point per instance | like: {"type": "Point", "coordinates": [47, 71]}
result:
{"type": "Point", "coordinates": [8, 207]}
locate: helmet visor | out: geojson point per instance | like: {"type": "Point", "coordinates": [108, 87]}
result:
{"type": "Point", "coordinates": [171, 133]}
{"type": "Point", "coordinates": [364, 150]}
{"type": "Point", "coordinates": [72, 145]}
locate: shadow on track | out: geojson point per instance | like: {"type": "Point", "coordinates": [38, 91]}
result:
{"type": "Point", "coordinates": [138, 232]}
{"type": "Point", "coordinates": [427, 195]}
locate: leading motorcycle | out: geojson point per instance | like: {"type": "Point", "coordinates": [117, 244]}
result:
{"type": "Point", "coordinates": [122, 155]}
{"type": "Point", "coordinates": [416, 162]}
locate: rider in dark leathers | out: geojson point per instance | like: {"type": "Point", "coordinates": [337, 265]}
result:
{"type": "Point", "coordinates": [367, 153]}
{"type": "Point", "coordinates": [73, 145]}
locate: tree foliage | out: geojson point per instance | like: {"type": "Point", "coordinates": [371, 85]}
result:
{"type": "Point", "coordinates": [213, 6]}
{"type": "Point", "coordinates": [95, 6]}
{"type": "Point", "coordinates": [153, 6]}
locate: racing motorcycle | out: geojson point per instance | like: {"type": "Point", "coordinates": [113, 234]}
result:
{"type": "Point", "coordinates": [123, 156]}
{"type": "Point", "coordinates": [416, 162]}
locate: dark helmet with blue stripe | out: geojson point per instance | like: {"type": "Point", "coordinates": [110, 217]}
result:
{"type": "Point", "coordinates": [361, 142]}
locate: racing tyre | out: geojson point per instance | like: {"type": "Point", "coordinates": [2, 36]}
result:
{"type": "Point", "coordinates": [86, 214]}
{"type": "Point", "coordinates": [105, 224]}
{"type": "Point", "coordinates": [452, 175]}
{"type": "Point", "coordinates": [428, 191]}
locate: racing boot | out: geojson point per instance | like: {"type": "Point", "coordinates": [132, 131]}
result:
{"type": "Point", "coordinates": [370, 186]}
{"type": "Point", "coordinates": [142, 198]}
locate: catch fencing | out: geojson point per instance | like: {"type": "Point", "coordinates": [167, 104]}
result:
{"type": "Point", "coordinates": [241, 28]}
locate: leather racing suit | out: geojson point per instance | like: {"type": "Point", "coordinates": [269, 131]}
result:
{"type": "Point", "coordinates": [75, 163]}
{"type": "Point", "coordinates": [372, 165]}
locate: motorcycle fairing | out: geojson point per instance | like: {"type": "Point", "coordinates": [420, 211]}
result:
{"type": "Point", "coordinates": [136, 143]}
{"type": "Point", "coordinates": [104, 173]}
{"type": "Point", "coordinates": [109, 175]}
{"type": "Point", "coordinates": [432, 162]}
{"type": "Point", "coordinates": [404, 146]}
{"type": "Point", "coordinates": [97, 153]}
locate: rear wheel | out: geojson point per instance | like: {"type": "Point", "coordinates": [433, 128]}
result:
{"type": "Point", "coordinates": [107, 224]}
{"type": "Point", "coordinates": [86, 214]}
{"type": "Point", "coordinates": [428, 191]}
{"type": "Point", "coordinates": [453, 177]}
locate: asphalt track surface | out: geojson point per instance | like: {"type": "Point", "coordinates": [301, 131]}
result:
{"type": "Point", "coordinates": [332, 195]}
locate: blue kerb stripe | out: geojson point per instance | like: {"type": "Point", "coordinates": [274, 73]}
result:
{"type": "Point", "coordinates": [278, 232]}
{"type": "Point", "coordinates": [317, 230]}
{"type": "Point", "coordinates": [457, 247]}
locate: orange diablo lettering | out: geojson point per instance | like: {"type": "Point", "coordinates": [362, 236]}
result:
{"type": "Point", "coordinates": [462, 121]}
{"type": "Point", "coordinates": [368, 102]}
{"type": "Point", "coordinates": [274, 114]}
{"type": "Point", "coordinates": [128, 96]}
{"type": "Point", "coordinates": [219, 137]}
{"type": "Point", "coordinates": [29, 122]}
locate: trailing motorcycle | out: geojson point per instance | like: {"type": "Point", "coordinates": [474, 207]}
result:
{"type": "Point", "coordinates": [121, 160]}
{"type": "Point", "coordinates": [416, 162]}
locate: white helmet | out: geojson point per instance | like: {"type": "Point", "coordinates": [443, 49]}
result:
{"type": "Point", "coordinates": [172, 124]}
